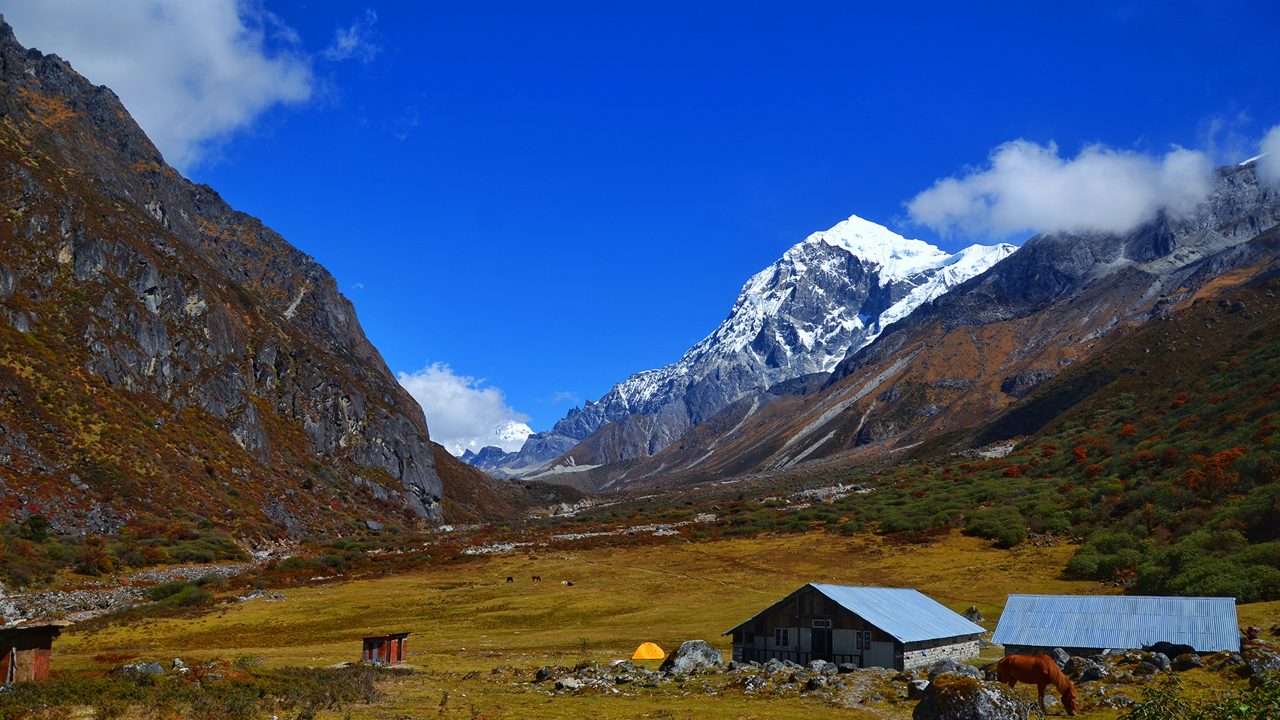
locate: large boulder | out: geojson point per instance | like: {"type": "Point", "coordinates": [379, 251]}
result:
{"type": "Point", "coordinates": [690, 657]}
{"type": "Point", "coordinates": [1083, 669]}
{"type": "Point", "coordinates": [960, 697]}
{"type": "Point", "coordinates": [949, 666]}
{"type": "Point", "coordinates": [1060, 656]}
{"type": "Point", "coordinates": [822, 667]}
{"type": "Point", "coordinates": [1186, 661]}
{"type": "Point", "coordinates": [1260, 660]}
{"type": "Point", "coordinates": [972, 614]}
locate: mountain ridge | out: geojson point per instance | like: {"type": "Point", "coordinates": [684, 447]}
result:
{"type": "Point", "coordinates": [166, 354]}
{"type": "Point", "coordinates": [962, 358]}
{"type": "Point", "coordinates": [835, 290]}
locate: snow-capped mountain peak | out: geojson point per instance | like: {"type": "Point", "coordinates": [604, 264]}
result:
{"type": "Point", "coordinates": [827, 296]}
{"type": "Point", "coordinates": [897, 257]}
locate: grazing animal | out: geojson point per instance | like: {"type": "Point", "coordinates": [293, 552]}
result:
{"type": "Point", "coordinates": [1039, 670]}
{"type": "Point", "coordinates": [537, 578]}
{"type": "Point", "coordinates": [510, 579]}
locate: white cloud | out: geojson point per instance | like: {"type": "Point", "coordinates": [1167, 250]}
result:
{"type": "Point", "coordinates": [1030, 188]}
{"type": "Point", "coordinates": [565, 396]}
{"type": "Point", "coordinates": [354, 41]}
{"type": "Point", "coordinates": [462, 413]}
{"type": "Point", "coordinates": [190, 73]}
{"type": "Point", "coordinates": [1269, 163]}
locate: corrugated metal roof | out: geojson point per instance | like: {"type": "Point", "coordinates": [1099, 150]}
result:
{"type": "Point", "coordinates": [1207, 624]}
{"type": "Point", "coordinates": [906, 614]}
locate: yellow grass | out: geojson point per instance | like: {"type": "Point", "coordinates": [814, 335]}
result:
{"type": "Point", "coordinates": [467, 620]}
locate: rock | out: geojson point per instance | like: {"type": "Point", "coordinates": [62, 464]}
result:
{"type": "Point", "coordinates": [773, 665]}
{"type": "Point", "coordinates": [1145, 670]}
{"type": "Point", "coordinates": [1161, 661]}
{"type": "Point", "coordinates": [959, 697]}
{"type": "Point", "coordinates": [691, 656]}
{"type": "Point", "coordinates": [1266, 677]}
{"type": "Point", "coordinates": [177, 663]}
{"type": "Point", "coordinates": [916, 688]}
{"type": "Point", "coordinates": [845, 668]}
{"type": "Point", "coordinates": [754, 684]}
{"type": "Point", "coordinates": [815, 683]}
{"type": "Point", "coordinates": [1081, 669]}
{"type": "Point", "coordinates": [569, 683]}
{"type": "Point", "coordinates": [1186, 661]}
{"type": "Point", "coordinates": [373, 525]}
{"type": "Point", "coordinates": [143, 668]}
{"type": "Point", "coordinates": [947, 665]}
{"type": "Point", "coordinates": [543, 673]}
{"type": "Point", "coordinates": [972, 614]}
{"type": "Point", "coordinates": [1060, 656]}
{"type": "Point", "coordinates": [823, 667]}
{"type": "Point", "coordinates": [1259, 660]}
{"type": "Point", "coordinates": [1225, 660]}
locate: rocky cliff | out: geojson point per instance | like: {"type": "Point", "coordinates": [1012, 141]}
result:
{"type": "Point", "coordinates": [164, 354]}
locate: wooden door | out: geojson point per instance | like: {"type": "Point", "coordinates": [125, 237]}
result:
{"type": "Point", "coordinates": [821, 643]}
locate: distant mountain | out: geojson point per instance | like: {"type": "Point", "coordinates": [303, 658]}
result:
{"type": "Point", "coordinates": [834, 292]}
{"type": "Point", "coordinates": [976, 351]}
{"type": "Point", "coordinates": [165, 358]}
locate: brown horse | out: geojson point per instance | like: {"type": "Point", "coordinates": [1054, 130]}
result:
{"type": "Point", "coordinates": [1039, 670]}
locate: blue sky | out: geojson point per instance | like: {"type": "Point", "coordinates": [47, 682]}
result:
{"type": "Point", "coordinates": [551, 196]}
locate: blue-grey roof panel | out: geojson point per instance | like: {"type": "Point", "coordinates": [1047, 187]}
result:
{"type": "Point", "coordinates": [906, 614]}
{"type": "Point", "coordinates": [1207, 624]}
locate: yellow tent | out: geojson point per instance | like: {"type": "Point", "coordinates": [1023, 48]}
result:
{"type": "Point", "coordinates": [648, 651]}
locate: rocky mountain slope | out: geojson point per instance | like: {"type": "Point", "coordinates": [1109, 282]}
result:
{"type": "Point", "coordinates": [960, 360]}
{"type": "Point", "coordinates": [163, 356]}
{"type": "Point", "coordinates": [835, 291]}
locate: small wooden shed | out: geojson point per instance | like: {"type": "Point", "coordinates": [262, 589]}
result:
{"type": "Point", "coordinates": [26, 651]}
{"type": "Point", "coordinates": [384, 649]}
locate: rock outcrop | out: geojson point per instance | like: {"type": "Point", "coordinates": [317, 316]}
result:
{"type": "Point", "coordinates": [167, 353]}
{"type": "Point", "coordinates": [959, 697]}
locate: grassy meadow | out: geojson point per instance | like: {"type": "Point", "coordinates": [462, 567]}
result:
{"type": "Point", "coordinates": [467, 620]}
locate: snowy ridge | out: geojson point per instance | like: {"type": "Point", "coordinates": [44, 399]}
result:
{"type": "Point", "coordinates": [827, 296]}
{"type": "Point", "coordinates": [925, 270]}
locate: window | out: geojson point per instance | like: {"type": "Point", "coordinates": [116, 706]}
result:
{"type": "Point", "coordinates": [781, 637]}
{"type": "Point", "coordinates": [866, 639]}
{"type": "Point", "coordinates": [822, 623]}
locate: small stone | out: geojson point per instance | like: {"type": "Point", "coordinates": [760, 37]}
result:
{"type": "Point", "coordinates": [916, 688]}
{"type": "Point", "coordinates": [569, 683]}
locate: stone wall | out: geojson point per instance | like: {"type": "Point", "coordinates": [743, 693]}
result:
{"type": "Point", "coordinates": [924, 656]}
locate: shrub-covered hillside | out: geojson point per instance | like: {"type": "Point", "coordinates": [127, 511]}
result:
{"type": "Point", "coordinates": [1160, 454]}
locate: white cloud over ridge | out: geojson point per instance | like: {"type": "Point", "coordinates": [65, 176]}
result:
{"type": "Point", "coordinates": [1029, 187]}
{"type": "Point", "coordinates": [462, 412]}
{"type": "Point", "coordinates": [1269, 162]}
{"type": "Point", "coordinates": [189, 72]}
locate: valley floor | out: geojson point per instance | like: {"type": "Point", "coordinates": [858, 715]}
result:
{"type": "Point", "coordinates": [477, 640]}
